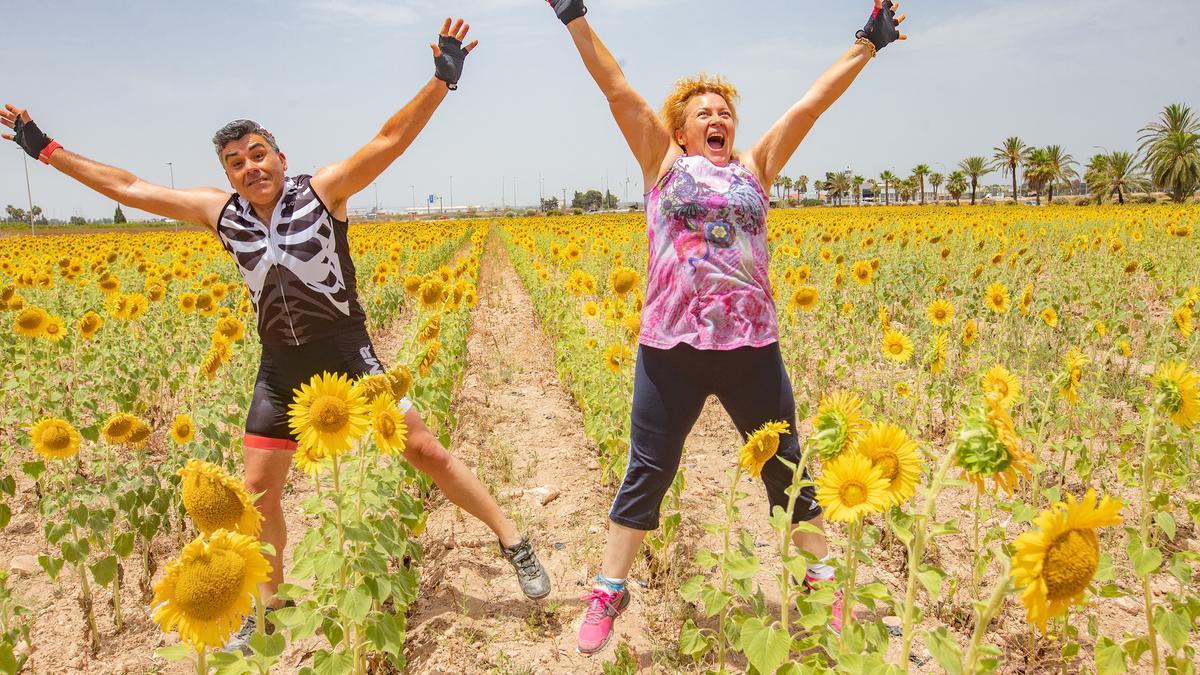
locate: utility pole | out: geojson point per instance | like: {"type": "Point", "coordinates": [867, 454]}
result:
{"type": "Point", "coordinates": [28, 193]}
{"type": "Point", "coordinates": [514, 192]}
{"type": "Point", "coordinates": [376, 184]}
{"type": "Point", "coordinates": [451, 193]}
{"type": "Point", "coordinates": [564, 201]}
{"type": "Point", "coordinates": [414, 196]}
{"type": "Point", "coordinates": [503, 183]}
{"type": "Point", "coordinates": [171, 167]}
{"type": "Point", "coordinates": [541, 193]}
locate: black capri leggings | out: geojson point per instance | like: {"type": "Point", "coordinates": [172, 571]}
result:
{"type": "Point", "coordinates": [669, 390]}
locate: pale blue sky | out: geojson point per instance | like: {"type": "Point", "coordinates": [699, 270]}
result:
{"type": "Point", "coordinates": [139, 83]}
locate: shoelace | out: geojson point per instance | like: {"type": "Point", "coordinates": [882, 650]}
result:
{"type": "Point", "coordinates": [527, 563]}
{"type": "Point", "coordinates": [600, 605]}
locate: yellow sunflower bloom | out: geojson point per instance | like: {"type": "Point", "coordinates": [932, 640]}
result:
{"type": "Point", "coordinates": [861, 271]}
{"type": "Point", "coordinates": [55, 438]}
{"type": "Point", "coordinates": [897, 346]}
{"type": "Point", "coordinates": [852, 487]}
{"type": "Point", "coordinates": [970, 333]}
{"type": "Point", "coordinates": [616, 356]}
{"type": "Point", "coordinates": [308, 459]}
{"type": "Point", "coordinates": [940, 312]}
{"type": "Point", "coordinates": [805, 298]}
{"type": "Point", "coordinates": [329, 413]}
{"type": "Point", "coordinates": [622, 280]}
{"type": "Point", "coordinates": [208, 590]}
{"type": "Point", "coordinates": [1000, 386]}
{"type": "Point", "coordinates": [987, 446]}
{"type": "Point", "coordinates": [400, 379]}
{"type": "Point", "coordinates": [761, 446]}
{"type": "Point", "coordinates": [182, 429]}
{"type": "Point", "coordinates": [996, 298]}
{"type": "Point", "coordinates": [1183, 321]}
{"type": "Point", "coordinates": [1050, 317]}
{"type": "Point", "coordinates": [1178, 392]}
{"type": "Point", "coordinates": [31, 322]}
{"type": "Point", "coordinates": [55, 330]}
{"type": "Point", "coordinates": [90, 324]}
{"type": "Point", "coordinates": [217, 501]}
{"type": "Point", "coordinates": [119, 428]}
{"type": "Point", "coordinates": [391, 434]}
{"type": "Point", "coordinates": [895, 455]}
{"type": "Point", "coordinates": [1053, 565]}
{"type": "Point", "coordinates": [1073, 369]}
{"type": "Point", "coordinates": [837, 424]}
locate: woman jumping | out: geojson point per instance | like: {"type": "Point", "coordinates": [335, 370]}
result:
{"type": "Point", "coordinates": [309, 316]}
{"type": "Point", "coordinates": [708, 322]}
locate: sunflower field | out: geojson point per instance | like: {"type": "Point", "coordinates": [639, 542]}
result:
{"type": "Point", "coordinates": [129, 362]}
{"type": "Point", "coordinates": [999, 406]}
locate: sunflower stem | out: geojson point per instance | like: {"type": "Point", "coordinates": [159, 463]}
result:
{"type": "Point", "coordinates": [984, 617]}
{"type": "Point", "coordinates": [729, 506]}
{"type": "Point", "coordinates": [785, 544]}
{"type": "Point", "coordinates": [260, 611]}
{"type": "Point", "coordinates": [85, 592]}
{"type": "Point", "coordinates": [201, 662]}
{"type": "Point", "coordinates": [916, 549]}
{"type": "Point", "coordinates": [851, 572]}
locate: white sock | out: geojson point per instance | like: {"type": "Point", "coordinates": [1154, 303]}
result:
{"type": "Point", "coordinates": [821, 571]}
{"type": "Point", "coordinates": [608, 584]}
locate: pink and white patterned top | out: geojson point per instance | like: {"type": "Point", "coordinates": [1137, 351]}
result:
{"type": "Point", "coordinates": [707, 284]}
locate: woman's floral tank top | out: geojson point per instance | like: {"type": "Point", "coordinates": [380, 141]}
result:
{"type": "Point", "coordinates": [707, 284]}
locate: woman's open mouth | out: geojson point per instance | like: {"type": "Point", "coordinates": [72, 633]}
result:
{"type": "Point", "coordinates": [716, 142]}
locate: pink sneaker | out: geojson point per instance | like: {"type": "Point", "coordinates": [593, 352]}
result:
{"type": "Point", "coordinates": [837, 609]}
{"type": "Point", "coordinates": [603, 610]}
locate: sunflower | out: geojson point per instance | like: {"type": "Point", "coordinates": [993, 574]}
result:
{"type": "Point", "coordinates": [140, 432]}
{"type": "Point", "coordinates": [412, 284]}
{"type": "Point", "coordinates": [1183, 321]}
{"type": "Point", "coordinates": [852, 487]}
{"type": "Point", "coordinates": [616, 356]}
{"type": "Point", "coordinates": [902, 389]}
{"type": "Point", "coordinates": [895, 455]}
{"type": "Point", "coordinates": [996, 298]}
{"type": "Point", "coordinates": [1026, 299]}
{"type": "Point", "coordinates": [119, 428]}
{"type": "Point", "coordinates": [805, 298]}
{"type": "Point", "coordinates": [431, 293]}
{"type": "Point", "coordinates": [208, 590]}
{"type": "Point", "coordinates": [936, 356]}
{"type": "Point", "coordinates": [428, 358]}
{"type": "Point", "coordinates": [391, 434]}
{"type": "Point", "coordinates": [329, 413]}
{"type": "Point", "coordinates": [1101, 328]}
{"type": "Point", "coordinates": [622, 280]}
{"type": "Point", "coordinates": [1000, 386]}
{"type": "Point", "coordinates": [987, 447]}
{"type": "Point", "coordinates": [90, 324]}
{"type": "Point", "coordinates": [187, 303]}
{"type": "Point", "coordinates": [970, 332]}
{"type": "Point", "coordinates": [897, 346]}
{"type": "Point", "coordinates": [231, 328]}
{"type": "Point", "coordinates": [761, 446]}
{"type": "Point", "coordinates": [1073, 374]}
{"type": "Point", "coordinates": [1178, 393]}
{"type": "Point", "coordinates": [31, 322]}
{"type": "Point", "coordinates": [55, 329]}
{"type": "Point", "coordinates": [400, 379]}
{"type": "Point", "coordinates": [591, 310]}
{"type": "Point", "coordinates": [182, 429]}
{"type": "Point", "coordinates": [1050, 317]}
{"type": "Point", "coordinates": [375, 386]}
{"type": "Point", "coordinates": [837, 424]}
{"type": "Point", "coordinates": [308, 459]}
{"type": "Point", "coordinates": [885, 319]}
{"type": "Point", "coordinates": [861, 271]}
{"type": "Point", "coordinates": [1125, 347]}
{"type": "Point", "coordinates": [1054, 564]}
{"type": "Point", "coordinates": [941, 312]}
{"type": "Point", "coordinates": [216, 501]}
{"type": "Point", "coordinates": [55, 438]}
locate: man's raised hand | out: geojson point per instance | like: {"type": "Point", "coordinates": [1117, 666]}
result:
{"type": "Point", "coordinates": [449, 53]}
{"type": "Point", "coordinates": [568, 10]}
{"type": "Point", "coordinates": [882, 28]}
{"type": "Point", "coordinates": [26, 133]}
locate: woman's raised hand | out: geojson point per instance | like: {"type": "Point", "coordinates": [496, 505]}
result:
{"type": "Point", "coordinates": [568, 10]}
{"type": "Point", "coordinates": [883, 28]}
{"type": "Point", "coordinates": [449, 53]}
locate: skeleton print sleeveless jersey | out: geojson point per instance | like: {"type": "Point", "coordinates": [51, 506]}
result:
{"type": "Point", "coordinates": [297, 267]}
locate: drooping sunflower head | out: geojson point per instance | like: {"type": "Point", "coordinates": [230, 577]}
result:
{"type": "Point", "coordinates": [308, 459]}
{"type": "Point", "coordinates": [140, 432]}
{"type": "Point", "coordinates": [182, 429]}
{"type": "Point", "coordinates": [1073, 365]}
{"type": "Point", "coordinates": [1053, 565]}
{"type": "Point", "coordinates": [1178, 393]}
{"type": "Point", "coordinates": [895, 455]}
{"type": "Point", "coordinates": [897, 346]}
{"type": "Point", "coordinates": [940, 312]}
{"type": "Point", "coordinates": [987, 446]}
{"type": "Point", "coordinates": [330, 413]}
{"type": "Point", "coordinates": [119, 428]}
{"type": "Point", "coordinates": [55, 438]}
{"type": "Point", "coordinates": [208, 590]}
{"type": "Point", "coordinates": [970, 332]}
{"type": "Point", "coordinates": [616, 356]}
{"type": "Point", "coordinates": [31, 322]}
{"type": "Point", "coordinates": [375, 386]}
{"type": "Point", "coordinates": [1183, 321]}
{"type": "Point", "coordinates": [400, 379]}
{"type": "Point", "coordinates": [1050, 317]}
{"type": "Point", "coordinates": [90, 324]}
{"type": "Point", "coordinates": [428, 358]}
{"type": "Point", "coordinates": [837, 424]}
{"type": "Point", "coordinates": [391, 433]}
{"type": "Point", "coordinates": [217, 501]}
{"type": "Point", "coordinates": [861, 271]}
{"type": "Point", "coordinates": [1000, 386]}
{"type": "Point", "coordinates": [852, 487]}
{"type": "Point", "coordinates": [432, 293]}
{"type": "Point", "coordinates": [761, 446]}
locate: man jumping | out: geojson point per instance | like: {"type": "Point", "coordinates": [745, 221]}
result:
{"type": "Point", "coordinates": [288, 236]}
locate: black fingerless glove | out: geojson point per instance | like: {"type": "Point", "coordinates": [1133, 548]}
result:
{"type": "Point", "coordinates": [32, 140]}
{"type": "Point", "coordinates": [448, 67]}
{"type": "Point", "coordinates": [881, 27]}
{"type": "Point", "coordinates": [568, 10]}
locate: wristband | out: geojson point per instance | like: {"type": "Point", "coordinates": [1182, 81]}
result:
{"type": "Point", "coordinates": [568, 10]}
{"type": "Point", "coordinates": [44, 157]}
{"type": "Point", "coordinates": [868, 44]}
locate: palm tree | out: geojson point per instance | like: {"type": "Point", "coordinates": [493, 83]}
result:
{"type": "Point", "coordinates": [857, 183]}
{"type": "Point", "coordinates": [1059, 168]}
{"type": "Point", "coordinates": [887, 177]}
{"type": "Point", "coordinates": [919, 172]}
{"type": "Point", "coordinates": [787, 187]}
{"type": "Point", "coordinates": [777, 185]}
{"type": "Point", "coordinates": [936, 179]}
{"type": "Point", "coordinates": [1119, 173]}
{"type": "Point", "coordinates": [1094, 176]}
{"type": "Point", "coordinates": [975, 167]}
{"type": "Point", "coordinates": [1172, 149]}
{"type": "Point", "coordinates": [907, 188]}
{"type": "Point", "coordinates": [1009, 156]}
{"type": "Point", "coordinates": [956, 185]}
{"type": "Point", "coordinates": [802, 186]}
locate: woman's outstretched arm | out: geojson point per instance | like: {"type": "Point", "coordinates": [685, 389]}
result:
{"type": "Point", "coordinates": [769, 155]}
{"type": "Point", "coordinates": [643, 130]}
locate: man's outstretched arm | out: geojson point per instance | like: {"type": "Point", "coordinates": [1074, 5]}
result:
{"type": "Point", "coordinates": [202, 205]}
{"type": "Point", "coordinates": [338, 182]}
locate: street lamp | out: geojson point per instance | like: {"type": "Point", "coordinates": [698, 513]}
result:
{"type": "Point", "coordinates": [414, 196]}
{"type": "Point", "coordinates": [171, 167]}
{"type": "Point", "coordinates": [451, 193]}
{"type": "Point", "coordinates": [376, 184]}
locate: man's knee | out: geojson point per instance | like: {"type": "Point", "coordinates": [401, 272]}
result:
{"type": "Point", "coordinates": [425, 452]}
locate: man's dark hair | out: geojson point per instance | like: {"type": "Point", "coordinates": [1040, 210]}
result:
{"type": "Point", "coordinates": [238, 129]}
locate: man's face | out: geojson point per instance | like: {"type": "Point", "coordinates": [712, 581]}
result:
{"type": "Point", "coordinates": [254, 169]}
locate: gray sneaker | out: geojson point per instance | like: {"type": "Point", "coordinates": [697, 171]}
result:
{"type": "Point", "coordinates": [240, 641]}
{"type": "Point", "coordinates": [535, 583]}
